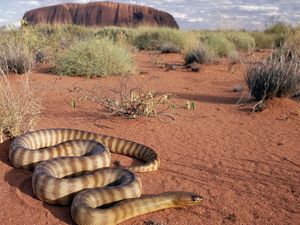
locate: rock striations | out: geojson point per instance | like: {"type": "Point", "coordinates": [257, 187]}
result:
{"type": "Point", "coordinates": [100, 14]}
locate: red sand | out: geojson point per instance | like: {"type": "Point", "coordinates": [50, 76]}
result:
{"type": "Point", "coordinates": [246, 166]}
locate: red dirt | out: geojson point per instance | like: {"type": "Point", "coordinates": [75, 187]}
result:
{"type": "Point", "coordinates": [246, 166]}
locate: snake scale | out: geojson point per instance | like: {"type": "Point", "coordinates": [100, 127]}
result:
{"type": "Point", "coordinates": [72, 167]}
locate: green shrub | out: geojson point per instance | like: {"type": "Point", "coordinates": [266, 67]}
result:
{"type": "Point", "coordinates": [241, 40]}
{"type": "Point", "coordinates": [280, 31]}
{"type": "Point", "coordinates": [46, 39]}
{"type": "Point", "coordinates": [55, 39]}
{"type": "Point", "coordinates": [219, 44]}
{"type": "Point", "coordinates": [147, 38]}
{"type": "Point", "coordinates": [275, 77]}
{"type": "Point", "coordinates": [263, 40]}
{"type": "Point", "coordinates": [94, 58]}
{"type": "Point", "coordinates": [116, 34]}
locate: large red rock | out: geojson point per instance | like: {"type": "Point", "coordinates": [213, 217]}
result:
{"type": "Point", "coordinates": [100, 14]}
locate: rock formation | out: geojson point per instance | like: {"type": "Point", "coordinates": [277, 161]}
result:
{"type": "Point", "coordinates": [100, 14]}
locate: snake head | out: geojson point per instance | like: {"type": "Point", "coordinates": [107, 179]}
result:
{"type": "Point", "coordinates": [187, 198]}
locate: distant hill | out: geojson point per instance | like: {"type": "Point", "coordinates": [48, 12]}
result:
{"type": "Point", "coordinates": [100, 14]}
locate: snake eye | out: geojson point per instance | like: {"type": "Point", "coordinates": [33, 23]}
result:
{"type": "Point", "coordinates": [196, 198]}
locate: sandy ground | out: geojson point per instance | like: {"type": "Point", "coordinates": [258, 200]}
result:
{"type": "Point", "coordinates": [246, 166]}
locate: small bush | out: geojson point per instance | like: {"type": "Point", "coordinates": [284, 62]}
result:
{"type": "Point", "coordinates": [272, 78]}
{"type": "Point", "coordinates": [15, 57]}
{"type": "Point", "coordinates": [94, 58]}
{"type": "Point", "coordinates": [19, 107]}
{"type": "Point", "coordinates": [200, 55]}
{"type": "Point", "coordinates": [242, 40]}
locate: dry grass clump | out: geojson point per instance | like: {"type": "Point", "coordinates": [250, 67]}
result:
{"type": "Point", "coordinates": [274, 77]}
{"type": "Point", "coordinates": [15, 57]}
{"type": "Point", "coordinates": [19, 107]}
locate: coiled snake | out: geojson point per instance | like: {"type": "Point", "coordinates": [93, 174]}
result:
{"type": "Point", "coordinates": [72, 166]}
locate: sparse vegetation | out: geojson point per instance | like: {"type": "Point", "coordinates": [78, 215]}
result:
{"type": "Point", "coordinates": [19, 107]}
{"type": "Point", "coordinates": [131, 99]}
{"type": "Point", "coordinates": [94, 58]}
{"type": "Point", "coordinates": [190, 105]}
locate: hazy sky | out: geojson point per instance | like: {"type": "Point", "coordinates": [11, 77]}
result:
{"type": "Point", "coordinates": [190, 14]}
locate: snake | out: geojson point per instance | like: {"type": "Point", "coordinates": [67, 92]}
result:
{"type": "Point", "coordinates": [72, 167]}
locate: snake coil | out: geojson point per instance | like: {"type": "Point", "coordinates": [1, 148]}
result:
{"type": "Point", "coordinates": [72, 166]}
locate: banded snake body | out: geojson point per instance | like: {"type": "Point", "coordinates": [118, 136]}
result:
{"type": "Point", "coordinates": [72, 166]}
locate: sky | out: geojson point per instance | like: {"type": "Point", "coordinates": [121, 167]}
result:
{"type": "Point", "coordinates": [189, 14]}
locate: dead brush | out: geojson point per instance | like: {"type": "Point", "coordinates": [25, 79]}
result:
{"type": "Point", "coordinates": [19, 107]}
{"type": "Point", "coordinates": [133, 101]}
{"type": "Point", "coordinates": [136, 104]}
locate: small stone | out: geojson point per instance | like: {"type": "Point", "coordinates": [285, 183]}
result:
{"type": "Point", "coordinates": [231, 217]}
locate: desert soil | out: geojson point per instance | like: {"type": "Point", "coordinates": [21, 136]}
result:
{"type": "Point", "coordinates": [245, 165]}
